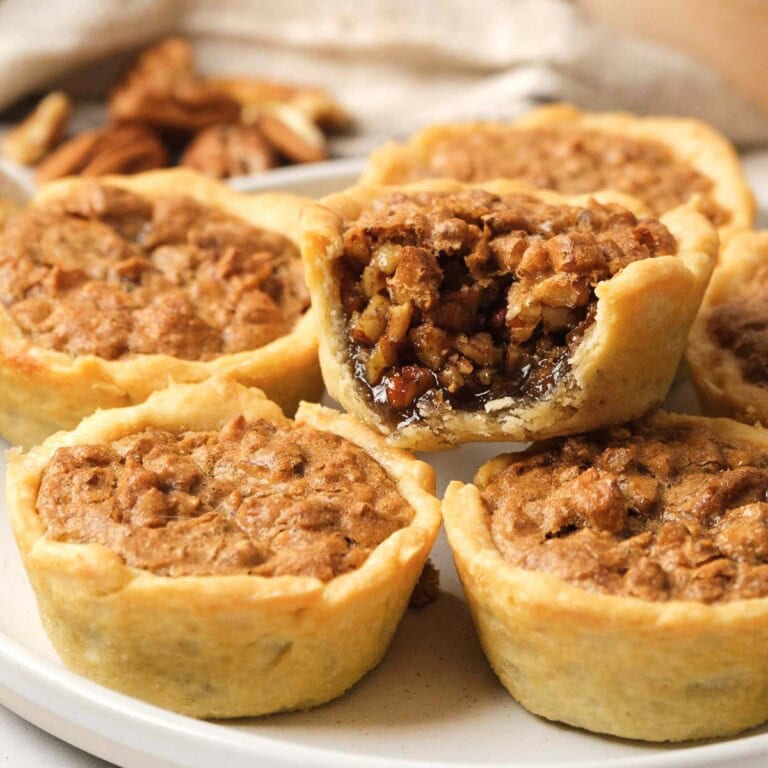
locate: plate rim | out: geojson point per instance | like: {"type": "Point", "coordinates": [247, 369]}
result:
{"type": "Point", "coordinates": [60, 688]}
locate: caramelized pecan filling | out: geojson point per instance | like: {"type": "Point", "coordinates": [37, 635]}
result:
{"type": "Point", "coordinates": [107, 272]}
{"type": "Point", "coordinates": [741, 326]}
{"type": "Point", "coordinates": [657, 513]}
{"type": "Point", "coordinates": [251, 498]}
{"type": "Point", "coordinates": [468, 298]}
{"type": "Point", "coordinates": [572, 161]}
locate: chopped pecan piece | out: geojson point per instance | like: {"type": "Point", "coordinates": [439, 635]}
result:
{"type": "Point", "coordinates": [416, 278]}
{"type": "Point", "coordinates": [369, 324]}
{"type": "Point", "coordinates": [113, 149]}
{"type": "Point", "coordinates": [431, 344]}
{"type": "Point", "coordinates": [408, 384]}
{"type": "Point", "coordinates": [488, 294]}
{"type": "Point", "coordinates": [29, 141]}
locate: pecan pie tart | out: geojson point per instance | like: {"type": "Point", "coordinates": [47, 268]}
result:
{"type": "Point", "coordinates": [450, 313]}
{"type": "Point", "coordinates": [111, 288]}
{"type": "Point", "coordinates": [727, 350]}
{"type": "Point", "coordinates": [619, 579]}
{"type": "Point", "coordinates": [663, 161]}
{"type": "Point", "coordinates": [205, 553]}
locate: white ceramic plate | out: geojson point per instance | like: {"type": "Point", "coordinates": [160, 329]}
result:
{"type": "Point", "coordinates": [433, 701]}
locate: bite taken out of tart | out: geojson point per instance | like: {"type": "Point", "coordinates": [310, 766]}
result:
{"type": "Point", "coordinates": [450, 313]}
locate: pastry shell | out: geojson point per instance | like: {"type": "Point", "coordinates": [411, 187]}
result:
{"type": "Point", "coordinates": [43, 390]}
{"type": "Point", "coordinates": [633, 347]}
{"type": "Point", "coordinates": [716, 371]}
{"type": "Point", "coordinates": [691, 141]}
{"type": "Point", "coordinates": [657, 671]}
{"type": "Point", "coordinates": [219, 646]}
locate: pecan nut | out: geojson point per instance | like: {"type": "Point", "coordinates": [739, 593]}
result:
{"type": "Point", "coordinates": [316, 103]}
{"type": "Point", "coordinates": [33, 138]}
{"type": "Point", "coordinates": [162, 89]}
{"type": "Point", "coordinates": [113, 149]}
{"type": "Point", "coordinates": [229, 150]}
{"type": "Point", "coordinates": [290, 132]}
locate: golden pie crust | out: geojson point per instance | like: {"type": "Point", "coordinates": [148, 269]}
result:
{"type": "Point", "coordinates": [42, 390]}
{"type": "Point", "coordinates": [716, 371]}
{"type": "Point", "coordinates": [227, 645]}
{"type": "Point", "coordinates": [691, 141]}
{"type": "Point", "coordinates": [633, 347]}
{"type": "Point", "coordinates": [657, 671]}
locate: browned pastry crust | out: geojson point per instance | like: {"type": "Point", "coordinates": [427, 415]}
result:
{"type": "Point", "coordinates": [632, 344]}
{"type": "Point", "coordinates": [42, 389]}
{"type": "Point", "coordinates": [220, 645]}
{"type": "Point", "coordinates": [673, 648]}
{"type": "Point", "coordinates": [728, 347]}
{"type": "Point", "coordinates": [589, 151]}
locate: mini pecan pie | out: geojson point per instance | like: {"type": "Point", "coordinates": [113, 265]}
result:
{"type": "Point", "coordinates": [728, 346]}
{"type": "Point", "coordinates": [205, 553]}
{"type": "Point", "coordinates": [450, 313]}
{"type": "Point", "coordinates": [663, 161]}
{"type": "Point", "coordinates": [109, 289]}
{"type": "Point", "coordinates": [619, 579]}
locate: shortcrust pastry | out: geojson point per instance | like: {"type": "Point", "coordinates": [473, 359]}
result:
{"type": "Point", "coordinates": [110, 289]}
{"type": "Point", "coordinates": [205, 553]}
{"type": "Point", "coordinates": [728, 347]}
{"type": "Point", "coordinates": [450, 313]}
{"type": "Point", "coordinates": [663, 161]}
{"type": "Point", "coordinates": [618, 579]}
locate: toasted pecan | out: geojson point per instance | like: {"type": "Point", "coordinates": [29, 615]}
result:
{"type": "Point", "coordinates": [162, 89]}
{"type": "Point", "coordinates": [29, 141]}
{"type": "Point", "coordinates": [222, 151]}
{"type": "Point", "coordinates": [292, 134]}
{"type": "Point", "coordinates": [112, 149]}
{"type": "Point", "coordinates": [317, 104]}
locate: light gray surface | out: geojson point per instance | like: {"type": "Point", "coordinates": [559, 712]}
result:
{"type": "Point", "coordinates": [23, 745]}
{"type": "Point", "coordinates": [420, 707]}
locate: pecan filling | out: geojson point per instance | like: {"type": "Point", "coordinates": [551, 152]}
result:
{"type": "Point", "coordinates": [656, 513]}
{"type": "Point", "coordinates": [251, 498]}
{"type": "Point", "coordinates": [109, 273]}
{"type": "Point", "coordinates": [468, 298]}
{"type": "Point", "coordinates": [572, 161]}
{"type": "Point", "coordinates": [742, 327]}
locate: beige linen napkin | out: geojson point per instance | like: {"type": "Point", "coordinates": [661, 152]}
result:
{"type": "Point", "coordinates": [395, 64]}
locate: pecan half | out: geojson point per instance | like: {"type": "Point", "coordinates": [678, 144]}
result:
{"type": "Point", "coordinates": [113, 149]}
{"type": "Point", "coordinates": [162, 89]}
{"type": "Point", "coordinates": [290, 132]}
{"type": "Point", "coordinates": [40, 130]}
{"type": "Point", "coordinates": [229, 150]}
{"type": "Point", "coordinates": [316, 104]}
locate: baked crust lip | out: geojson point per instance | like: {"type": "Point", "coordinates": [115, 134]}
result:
{"type": "Point", "coordinates": [42, 390]}
{"type": "Point", "coordinates": [219, 646]}
{"type": "Point", "coordinates": [634, 346]}
{"type": "Point", "coordinates": [666, 671]}
{"type": "Point", "coordinates": [692, 141]}
{"type": "Point", "coordinates": [716, 370]}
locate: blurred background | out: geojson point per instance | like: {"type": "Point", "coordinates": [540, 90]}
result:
{"type": "Point", "coordinates": [397, 65]}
